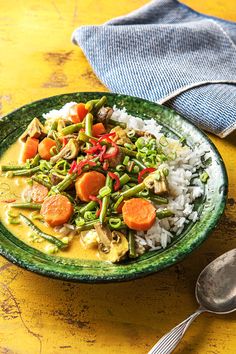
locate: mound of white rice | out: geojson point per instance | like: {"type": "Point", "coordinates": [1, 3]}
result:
{"type": "Point", "coordinates": [182, 170]}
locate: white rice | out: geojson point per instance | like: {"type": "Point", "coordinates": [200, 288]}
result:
{"type": "Point", "coordinates": [182, 170]}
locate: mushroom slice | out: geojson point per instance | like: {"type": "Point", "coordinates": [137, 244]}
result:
{"type": "Point", "coordinates": [104, 114]}
{"type": "Point", "coordinates": [117, 250]}
{"type": "Point", "coordinates": [68, 152]}
{"type": "Point", "coordinates": [158, 182]}
{"type": "Point", "coordinates": [104, 234]}
{"type": "Point", "coordinates": [121, 136]}
{"type": "Point", "coordinates": [34, 130]}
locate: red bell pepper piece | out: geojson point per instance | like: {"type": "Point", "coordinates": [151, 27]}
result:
{"type": "Point", "coordinates": [143, 172]}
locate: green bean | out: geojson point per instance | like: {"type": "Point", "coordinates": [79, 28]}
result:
{"type": "Point", "coordinates": [87, 226]}
{"type": "Point", "coordinates": [139, 164]}
{"type": "Point", "coordinates": [124, 179]}
{"type": "Point", "coordinates": [133, 191]}
{"type": "Point", "coordinates": [73, 128]}
{"type": "Point", "coordinates": [90, 104]}
{"type": "Point", "coordinates": [42, 234]}
{"type": "Point", "coordinates": [100, 104]}
{"type": "Point", "coordinates": [88, 126]}
{"type": "Point", "coordinates": [158, 200]}
{"type": "Point", "coordinates": [64, 184]}
{"type": "Point", "coordinates": [41, 181]}
{"type": "Point", "coordinates": [28, 172]}
{"type": "Point", "coordinates": [105, 201]}
{"type": "Point", "coordinates": [88, 207]}
{"type": "Point", "coordinates": [33, 206]}
{"type": "Point", "coordinates": [118, 202]}
{"type": "Point", "coordinates": [13, 168]}
{"type": "Point", "coordinates": [128, 152]}
{"type": "Point", "coordinates": [132, 250]}
{"type": "Point", "coordinates": [114, 122]}
{"type": "Point", "coordinates": [161, 214]}
{"type": "Point", "coordinates": [35, 161]}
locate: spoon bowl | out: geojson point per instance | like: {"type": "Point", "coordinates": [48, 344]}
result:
{"type": "Point", "coordinates": [215, 292]}
{"type": "Point", "coordinates": [216, 285]}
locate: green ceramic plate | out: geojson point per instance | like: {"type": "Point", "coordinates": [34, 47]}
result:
{"type": "Point", "coordinates": [210, 207]}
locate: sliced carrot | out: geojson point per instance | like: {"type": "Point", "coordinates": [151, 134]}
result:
{"type": "Point", "coordinates": [139, 214]}
{"type": "Point", "coordinates": [30, 149]}
{"type": "Point", "coordinates": [38, 193]}
{"type": "Point", "coordinates": [88, 184]}
{"type": "Point", "coordinates": [79, 114]}
{"type": "Point", "coordinates": [98, 129]}
{"type": "Point", "coordinates": [56, 210]}
{"type": "Point", "coordinates": [44, 148]}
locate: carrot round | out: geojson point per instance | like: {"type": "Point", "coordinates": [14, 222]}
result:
{"type": "Point", "coordinates": [139, 214]}
{"type": "Point", "coordinates": [80, 113]}
{"type": "Point", "coordinates": [88, 184]}
{"type": "Point", "coordinates": [38, 193]}
{"type": "Point", "coordinates": [56, 210]}
{"type": "Point", "coordinates": [98, 129]}
{"type": "Point", "coordinates": [30, 149]}
{"type": "Point", "coordinates": [44, 148]}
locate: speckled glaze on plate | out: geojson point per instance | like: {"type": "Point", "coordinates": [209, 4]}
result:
{"type": "Point", "coordinates": [210, 207]}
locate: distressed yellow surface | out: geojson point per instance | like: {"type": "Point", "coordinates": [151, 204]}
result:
{"type": "Point", "coordinates": [40, 315]}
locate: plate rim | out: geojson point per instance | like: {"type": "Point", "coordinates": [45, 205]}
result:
{"type": "Point", "coordinates": [181, 254]}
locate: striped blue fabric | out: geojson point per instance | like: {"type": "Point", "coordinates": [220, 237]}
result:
{"type": "Point", "coordinates": [170, 54]}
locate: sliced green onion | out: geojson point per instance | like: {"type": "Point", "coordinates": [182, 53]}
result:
{"type": "Point", "coordinates": [126, 160]}
{"type": "Point", "coordinates": [131, 133]}
{"type": "Point", "coordinates": [79, 221]}
{"type": "Point", "coordinates": [124, 179]}
{"type": "Point", "coordinates": [163, 141]}
{"type": "Point", "coordinates": [29, 181]}
{"type": "Point", "coordinates": [90, 215]}
{"type": "Point", "coordinates": [45, 166]}
{"type": "Point", "coordinates": [120, 168]}
{"type": "Point", "coordinates": [140, 142]}
{"type": "Point", "coordinates": [53, 151]}
{"type": "Point", "coordinates": [165, 171]}
{"type": "Point", "coordinates": [115, 223]}
{"type": "Point", "coordinates": [104, 191]}
{"type": "Point", "coordinates": [144, 193]}
{"type": "Point", "coordinates": [136, 169]}
{"type": "Point", "coordinates": [204, 177]}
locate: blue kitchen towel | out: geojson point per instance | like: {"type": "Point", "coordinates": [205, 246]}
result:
{"type": "Point", "coordinates": [168, 53]}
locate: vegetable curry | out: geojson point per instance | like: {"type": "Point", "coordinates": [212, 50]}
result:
{"type": "Point", "coordinates": [81, 186]}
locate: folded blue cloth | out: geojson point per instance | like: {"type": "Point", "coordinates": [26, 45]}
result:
{"type": "Point", "coordinates": [170, 54]}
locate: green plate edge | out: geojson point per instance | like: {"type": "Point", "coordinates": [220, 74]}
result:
{"type": "Point", "coordinates": [95, 271]}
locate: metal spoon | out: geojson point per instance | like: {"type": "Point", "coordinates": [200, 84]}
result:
{"type": "Point", "coordinates": [215, 292]}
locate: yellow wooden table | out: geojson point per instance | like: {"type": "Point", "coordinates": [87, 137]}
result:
{"type": "Point", "coordinates": [40, 315]}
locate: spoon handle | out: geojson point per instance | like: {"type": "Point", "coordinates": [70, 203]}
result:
{"type": "Point", "coordinates": [170, 340]}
